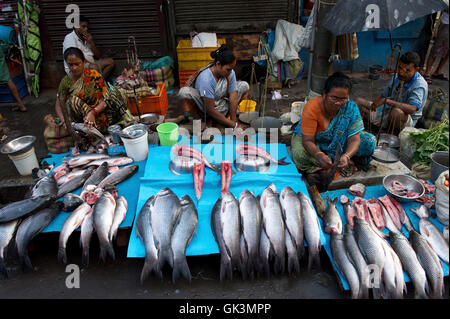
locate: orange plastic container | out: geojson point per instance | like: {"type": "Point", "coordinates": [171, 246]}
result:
{"type": "Point", "coordinates": [151, 104]}
{"type": "Point", "coordinates": [184, 75]}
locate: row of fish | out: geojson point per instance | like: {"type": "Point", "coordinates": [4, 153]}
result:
{"type": "Point", "coordinates": [166, 225]}
{"type": "Point", "coordinates": [370, 258]}
{"type": "Point", "coordinates": [254, 232]}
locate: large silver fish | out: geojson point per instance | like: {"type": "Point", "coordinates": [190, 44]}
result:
{"type": "Point", "coordinates": [344, 264]}
{"type": "Point", "coordinates": [32, 226]}
{"type": "Point", "coordinates": [119, 176]}
{"type": "Point", "coordinates": [183, 233]}
{"type": "Point", "coordinates": [112, 161]}
{"type": "Point", "coordinates": [24, 207]}
{"type": "Point", "coordinates": [430, 262]}
{"type": "Point", "coordinates": [71, 223]}
{"type": "Point", "coordinates": [145, 233]}
{"type": "Point", "coordinates": [103, 211]}
{"type": "Point", "coordinates": [45, 186]}
{"type": "Point", "coordinates": [357, 260]}
{"type": "Point", "coordinates": [164, 212]}
{"type": "Point", "coordinates": [332, 221]}
{"type": "Point", "coordinates": [74, 183]}
{"type": "Point", "coordinates": [264, 254]}
{"type": "Point", "coordinates": [435, 238]}
{"type": "Point", "coordinates": [84, 159]}
{"type": "Point", "coordinates": [372, 250]}
{"type": "Point", "coordinates": [410, 263]}
{"type": "Point", "coordinates": [292, 214]}
{"type": "Point", "coordinates": [225, 224]}
{"type": "Point", "coordinates": [119, 215]}
{"type": "Point", "coordinates": [273, 223]}
{"type": "Point", "coordinates": [87, 229]}
{"type": "Point", "coordinates": [7, 231]}
{"type": "Point", "coordinates": [250, 216]}
{"type": "Point", "coordinates": [311, 230]}
{"type": "Point", "coordinates": [88, 130]}
{"type": "Point", "coordinates": [97, 176]}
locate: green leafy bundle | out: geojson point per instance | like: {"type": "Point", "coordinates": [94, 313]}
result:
{"type": "Point", "coordinates": [429, 141]}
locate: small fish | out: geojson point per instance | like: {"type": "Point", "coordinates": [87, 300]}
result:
{"type": "Point", "coordinates": [7, 231]}
{"type": "Point", "coordinates": [119, 215]}
{"type": "Point", "coordinates": [103, 211]}
{"type": "Point", "coordinates": [332, 220]}
{"type": "Point", "coordinates": [87, 229]}
{"type": "Point", "coordinates": [249, 149]}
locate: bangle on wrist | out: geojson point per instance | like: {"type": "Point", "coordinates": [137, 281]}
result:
{"type": "Point", "coordinates": [95, 111]}
{"type": "Point", "coordinates": [319, 152]}
{"type": "Point", "coordinates": [346, 155]}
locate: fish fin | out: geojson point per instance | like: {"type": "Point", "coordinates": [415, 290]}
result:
{"type": "Point", "coordinates": [149, 267]}
{"type": "Point", "coordinates": [105, 250]}
{"type": "Point", "coordinates": [62, 256]}
{"type": "Point", "coordinates": [181, 268]}
{"type": "Point", "coordinates": [3, 269]}
{"type": "Point", "coordinates": [283, 161]}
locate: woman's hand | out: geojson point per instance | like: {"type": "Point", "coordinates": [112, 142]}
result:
{"type": "Point", "coordinates": [89, 119]}
{"type": "Point", "coordinates": [343, 162]}
{"type": "Point", "coordinates": [325, 161]}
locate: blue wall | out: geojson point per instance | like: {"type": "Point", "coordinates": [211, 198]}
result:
{"type": "Point", "coordinates": [374, 46]}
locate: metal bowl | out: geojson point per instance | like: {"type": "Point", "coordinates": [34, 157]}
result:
{"type": "Point", "coordinates": [267, 122]}
{"type": "Point", "coordinates": [134, 131]}
{"type": "Point", "coordinates": [182, 165]}
{"type": "Point", "coordinates": [410, 183]}
{"type": "Point", "coordinates": [386, 154]}
{"type": "Point", "coordinates": [389, 140]}
{"type": "Point", "coordinates": [18, 145]}
{"type": "Point", "coordinates": [244, 163]}
{"type": "Point", "coordinates": [149, 118]}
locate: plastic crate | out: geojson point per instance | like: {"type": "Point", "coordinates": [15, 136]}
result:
{"type": "Point", "coordinates": [151, 104]}
{"type": "Point", "coordinates": [190, 58]}
{"type": "Point", "coordinates": [19, 81]}
{"type": "Point", "coordinates": [184, 75]}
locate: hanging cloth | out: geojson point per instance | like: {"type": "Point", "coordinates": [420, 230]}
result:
{"type": "Point", "coordinates": [347, 46]}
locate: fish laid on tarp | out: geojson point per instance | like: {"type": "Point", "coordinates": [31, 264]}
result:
{"type": "Point", "coordinates": [32, 226]}
{"type": "Point", "coordinates": [357, 260]}
{"type": "Point", "coordinates": [112, 161]}
{"type": "Point", "coordinates": [311, 230]}
{"type": "Point", "coordinates": [273, 223]}
{"type": "Point", "coordinates": [103, 211]}
{"type": "Point", "coordinates": [87, 229]}
{"type": "Point", "coordinates": [83, 159]}
{"type": "Point", "coordinates": [421, 212]}
{"type": "Point", "coordinates": [71, 202]}
{"type": "Point", "coordinates": [430, 262]}
{"type": "Point", "coordinates": [376, 213]}
{"type": "Point", "coordinates": [164, 212]}
{"type": "Point", "coordinates": [74, 183]}
{"type": "Point", "coordinates": [390, 224]}
{"type": "Point", "coordinates": [7, 231]}
{"type": "Point", "coordinates": [357, 189]}
{"type": "Point", "coordinates": [225, 222]}
{"type": "Point", "coordinates": [253, 150]}
{"type": "Point", "coordinates": [187, 151]}
{"type": "Point", "coordinates": [392, 287]}
{"type": "Point", "coordinates": [392, 210]}
{"type": "Point", "coordinates": [371, 248]}
{"type": "Point", "coordinates": [88, 130]}
{"type": "Point", "coordinates": [183, 232]}
{"type": "Point", "coordinates": [250, 216]}
{"type": "Point", "coordinates": [119, 176]}
{"type": "Point", "coordinates": [404, 218]}
{"type": "Point", "coordinates": [119, 215]}
{"type": "Point", "coordinates": [292, 215]}
{"type": "Point", "coordinates": [145, 233]}
{"type": "Point", "coordinates": [97, 176]}
{"type": "Point", "coordinates": [74, 173]}
{"type": "Point", "coordinates": [435, 238]}
{"type": "Point", "coordinates": [264, 254]}
{"type": "Point", "coordinates": [45, 186]}
{"type": "Point", "coordinates": [24, 207]}
{"type": "Point", "coordinates": [410, 263]}
{"type": "Point", "coordinates": [226, 173]}
{"type": "Point", "coordinates": [344, 264]}
{"type": "Point", "coordinates": [199, 177]}
{"type": "Point", "coordinates": [332, 221]}
{"type": "Point", "coordinates": [71, 223]}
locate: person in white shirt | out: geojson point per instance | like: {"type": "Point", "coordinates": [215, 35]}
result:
{"type": "Point", "coordinates": [80, 38]}
{"type": "Point", "coordinates": [439, 51]}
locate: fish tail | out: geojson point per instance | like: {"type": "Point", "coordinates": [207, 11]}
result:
{"type": "Point", "coordinates": [85, 256]}
{"type": "Point", "coordinates": [313, 259]}
{"type": "Point", "coordinates": [3, 269]}
{"type": "Point", "coordinates": [62, 256]}
{"type": "Point", "coordinates": [226, 269]}
{"type": "Point", "coordinates": [363, 292]}
{"type": "Point", "coordinates": [293, 264]}
{"type": "Point", "coordinates": [163, 257]}
{"type": "Point", "coordinates": [26, 262]}
{"type": "Point", "coordinates": [149, 267]}
{"type": "Point", "coordinates": [181, 268]}
{"type": "Point", "coordinates": [279, 265]}
{"type": "Point", "coordinates": [216, 168]}
{"type": "Point", "coordinates": [283, 161]}
{"type": "Point", "coordinates": [253, 264]}
{"type": "Point", "coordinates": [300, 251]}
{"type": "Point", "coordinates": [105, 250]}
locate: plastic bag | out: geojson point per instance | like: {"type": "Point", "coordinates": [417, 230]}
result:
{"type": "Point", "coordinates": [442, 199]}
{"type": "Point", "coordinates": [204, 39]}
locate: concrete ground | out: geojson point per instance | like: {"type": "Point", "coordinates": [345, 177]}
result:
{"type": "Point", "coordinates": [120, 279]}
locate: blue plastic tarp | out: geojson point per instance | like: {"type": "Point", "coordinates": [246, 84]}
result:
{"type": "Point", "coordinates": [377, 192]}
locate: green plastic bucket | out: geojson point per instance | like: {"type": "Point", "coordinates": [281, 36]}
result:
{"type": "Point", "coordinates": [168, 133]}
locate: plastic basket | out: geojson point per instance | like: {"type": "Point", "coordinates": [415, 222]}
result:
{"type": "Point", "coordinates": [190, 58]}
{"type": "Point", "coordinates": [184, 75]}
{"type": "Point", "coordinates": [151, 104]}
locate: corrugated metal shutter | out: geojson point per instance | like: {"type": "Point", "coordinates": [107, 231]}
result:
{"type": "Point", "coordinates": [111, 22]}
{"type": "Point", "coordinates": [8, 9]}
{"type": "Point", "coordinates": [229, 16]}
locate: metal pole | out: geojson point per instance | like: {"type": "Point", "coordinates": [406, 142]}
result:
{"type": "Point", "coordinates": [311, 50]}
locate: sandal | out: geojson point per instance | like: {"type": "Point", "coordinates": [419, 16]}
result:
{"type": "Point", "coordinates": [439, 77]}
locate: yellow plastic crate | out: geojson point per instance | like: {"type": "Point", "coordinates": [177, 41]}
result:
{"type": "Point", "coordinates": [190, 58]}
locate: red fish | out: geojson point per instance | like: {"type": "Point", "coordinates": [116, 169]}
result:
{"type": "Point", "coordinates": [376, 211]}
{"type": "Point", "coordinates": [249, 149]}
{"type": "Point", "coordinates": [199, 176]}
{"type": "Point", "coordinates": [187, 151]}
{"type": "Point", "coordinates": [392, 210]}
{"type": "Point", "coordinates": [226, 172]}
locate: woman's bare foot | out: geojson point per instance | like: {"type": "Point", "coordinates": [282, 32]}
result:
{"type": "Point", "coordinates": [20, 107]}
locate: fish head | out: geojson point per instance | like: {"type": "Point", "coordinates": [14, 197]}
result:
{"type": "Point", "coordinates": [58, 205]}
{"type": "Point", "coordinates": [186, 200]}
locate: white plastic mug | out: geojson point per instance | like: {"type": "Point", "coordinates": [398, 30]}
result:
{"type": "Point", "coordinates": [136, 148]}
{"type": "Point", "coordinates": [25, 162]}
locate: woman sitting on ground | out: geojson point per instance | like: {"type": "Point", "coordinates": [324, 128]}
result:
{"type": "Point", "coordinates": [215, 88]}
{"type": "Point", "coordinates": [327, 120]}
{"type": "Point", "coordinates": [88, 97]}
